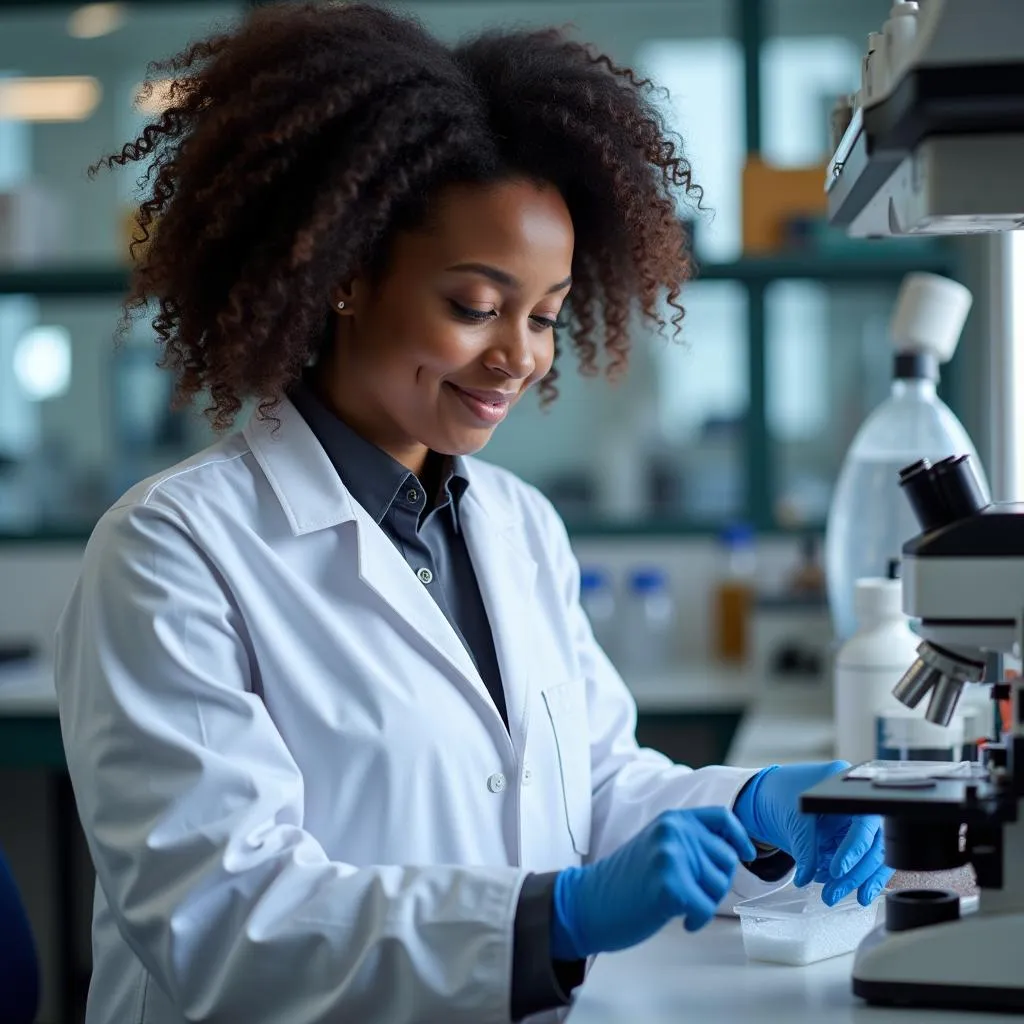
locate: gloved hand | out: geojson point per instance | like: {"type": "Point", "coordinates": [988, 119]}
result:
{"type": "Point", "coordinates": [844, 852]}
{"type": "Point", "coordinates": [681, 865]}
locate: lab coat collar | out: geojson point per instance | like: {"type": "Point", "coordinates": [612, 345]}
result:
{"type": "Point", "coordinates": [373, 477]}
{"type": "Point", "coordinates": [308, 486]}
{"type": "Point", "coordinates": [314, 498]}
{"type": "Point", "coordinates": [301, 475]}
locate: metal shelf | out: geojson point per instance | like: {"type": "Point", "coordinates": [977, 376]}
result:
{"type": "Point", "coordinates": [580, 530]}
{"type": "Point", "coordinates": [65, 281]}
{"type": "Point", "coordinates": [856, 265]}
{"type": "Point", "coordinates": [878, 262]}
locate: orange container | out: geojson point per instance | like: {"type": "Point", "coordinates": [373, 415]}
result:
{"type": "Point", "coordinates": [733, 602]}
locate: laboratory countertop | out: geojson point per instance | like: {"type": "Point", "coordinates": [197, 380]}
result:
{"type": "Point", "coordinates": [676, 978]}
{"type": "Point", "coordinates": [785, 723]}
{"type": "Point", "coordinates": [26, 688]}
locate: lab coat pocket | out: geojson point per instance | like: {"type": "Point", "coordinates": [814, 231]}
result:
{"type": "Point", "coordinates": [567, 710]}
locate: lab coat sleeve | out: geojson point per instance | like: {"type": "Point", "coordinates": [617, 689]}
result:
{"type": "Point", "coordinates": [631, 785]}
{"type": "Point", "coordinates": [193, 809]}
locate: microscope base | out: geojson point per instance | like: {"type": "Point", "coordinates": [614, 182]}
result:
{"type": "Point", "coordinates": [940, 996]}
{"type": "Point", "coordinates": [970, 964]}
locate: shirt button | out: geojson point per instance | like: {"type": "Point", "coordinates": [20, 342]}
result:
{"type": "Point", "coordinates": [412, 495]}
{"type": "Point", "coordinates": [425, 575]}
{"type": "Point", "coordinates": [496, 782]}
{"type": "Point", "coordinates": [527, 776]}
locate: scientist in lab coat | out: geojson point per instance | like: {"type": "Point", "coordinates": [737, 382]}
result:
{"type": "Point", "coordinates": [343, 744]}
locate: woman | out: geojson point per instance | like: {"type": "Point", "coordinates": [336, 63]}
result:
{"type": "Point", "coordinates": [343, 744]}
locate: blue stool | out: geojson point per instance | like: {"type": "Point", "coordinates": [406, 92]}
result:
{"type": "Point", "coordinates": [19, 968]}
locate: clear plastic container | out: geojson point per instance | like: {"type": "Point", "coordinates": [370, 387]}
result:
{"type": "Point", "coordinates": [597, 596]}
{"type": "Point", "coordinates": [793, 926]}
{"type": "Point", "coordinates": [648, 622]}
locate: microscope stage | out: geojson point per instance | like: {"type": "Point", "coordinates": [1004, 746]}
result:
{"type": "Point", "coordinates": [954, 800]}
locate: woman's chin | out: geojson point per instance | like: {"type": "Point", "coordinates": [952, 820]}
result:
{"type": "Point", "coordinates": [463, 442]}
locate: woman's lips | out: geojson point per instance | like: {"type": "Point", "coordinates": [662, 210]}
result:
{"type": "Point", "coordinates": [488, 406]}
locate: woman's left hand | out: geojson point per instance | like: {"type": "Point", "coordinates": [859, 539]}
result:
{"type": "Point", "coordinates": [841, 851]}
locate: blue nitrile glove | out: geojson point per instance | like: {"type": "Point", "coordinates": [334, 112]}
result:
{"type": "Point", "coordinates": [681, 865]}
{"type": "Point", "coordinates": [842, 851]}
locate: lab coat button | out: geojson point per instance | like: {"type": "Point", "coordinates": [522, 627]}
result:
{"type": "Point", "coordinates": [425, 575]}
{"type": "Point", "coordinates": [496, 782]}
{"type": "Point", "coordinates": [527, 776]}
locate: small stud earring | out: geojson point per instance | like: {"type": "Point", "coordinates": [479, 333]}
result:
{"type": "Point", "coordinates": [341, 305]}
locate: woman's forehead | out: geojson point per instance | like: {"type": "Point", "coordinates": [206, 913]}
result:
{"type": "Point", "coordinates": [495, 224]}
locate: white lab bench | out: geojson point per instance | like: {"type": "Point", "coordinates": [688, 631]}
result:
{"type": "Point", "coordinates": [703, 978]}
{"type": "Point", "coordinates": [677, 977]}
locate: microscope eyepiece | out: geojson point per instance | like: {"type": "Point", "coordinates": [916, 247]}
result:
{"type": "Point", "coordinates": [922, 491]}
{"type": "Point", "coordinates": [959, 487]}
{"type": "Point", "coordinates": [943, 493]}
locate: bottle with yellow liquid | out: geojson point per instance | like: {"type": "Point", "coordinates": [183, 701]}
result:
{"type": "Point", "coordinates": [734, 595]}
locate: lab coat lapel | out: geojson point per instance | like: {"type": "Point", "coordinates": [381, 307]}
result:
{"type": "Point", "coordinates": [313, 498]}
{"type": "Point", "coordinates": [506, 572]}
{"type": "Point", "coordinates": [383, 569]}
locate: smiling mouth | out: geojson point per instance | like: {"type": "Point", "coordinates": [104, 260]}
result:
{"type": "Point", "coordinates": [489, 408]}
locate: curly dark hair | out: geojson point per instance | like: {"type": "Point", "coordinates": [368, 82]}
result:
{"type": "Point", "coordinates": [296, 146]}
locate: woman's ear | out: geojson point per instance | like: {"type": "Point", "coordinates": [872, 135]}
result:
{"type": "Point", "coordinates": [341, 301]}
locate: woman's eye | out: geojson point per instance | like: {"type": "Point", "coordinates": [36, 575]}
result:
{"type": "Point", "coordinates": [548, 324]}
{"type": "Point", "coordinates": [475, 316]}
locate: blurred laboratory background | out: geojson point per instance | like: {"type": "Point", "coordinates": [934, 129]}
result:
{"type": "Point", "coordinates": [696, 492]}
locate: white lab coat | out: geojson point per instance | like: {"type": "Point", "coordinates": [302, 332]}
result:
{"type": "Point", "coordinates": [301, 802]}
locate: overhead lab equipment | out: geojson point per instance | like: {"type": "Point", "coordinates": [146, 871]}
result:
{"type": "Point", "coordinates": [964, 582]}
{"type": "Point", "coordinates": [935, 138]}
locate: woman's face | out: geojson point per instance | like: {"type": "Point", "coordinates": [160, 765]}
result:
{"type": "Point", "coordinates": [433, 355]}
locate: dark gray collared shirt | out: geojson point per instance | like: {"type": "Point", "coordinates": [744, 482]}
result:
{"type": "Point", "coordinates": [426, 530]}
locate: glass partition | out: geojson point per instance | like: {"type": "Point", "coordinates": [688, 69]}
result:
{"type": "Point", "coordinates": [81, 419]}
{"type": "Point", "coordinates": [73, 95]}
{"type": "Point", "coordinates": [810, 55]}
{"type": "Point", "coordinates": [664, 445]}
{"type": "Point", "coordinates": [748, 417]}
{"type": "Point", "coordinates": [829, 363]}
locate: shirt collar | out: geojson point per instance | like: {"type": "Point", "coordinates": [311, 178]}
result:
{"type": "Point", "coordinates": [372, 477]}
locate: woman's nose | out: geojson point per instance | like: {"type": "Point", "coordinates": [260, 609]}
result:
{"type": "Point", "coordinates": [514, 353]}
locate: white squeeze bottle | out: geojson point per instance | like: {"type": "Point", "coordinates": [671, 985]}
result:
{"type": "Point", "coordinates": [870, 664]}
{"type": "Point", "coordinates": [870, 519]}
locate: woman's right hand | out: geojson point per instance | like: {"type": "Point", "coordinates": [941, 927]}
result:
{"type": "Point", "coordinates": [680, 865]}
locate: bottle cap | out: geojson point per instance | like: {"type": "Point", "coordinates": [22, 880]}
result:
{"type": "Point", "coordinates": [877, 598]}
{"type": "Point", "coordinates": [646, 581]}
{"type": "Point", "coordinates": [593, 579]}
{"type": "Point", "coordinates": [737, 535]}
{"type": "Point", "coordinates": [929, 315]}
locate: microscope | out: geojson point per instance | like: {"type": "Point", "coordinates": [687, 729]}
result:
{"type": "Point", "coordinates": [930, 145]}
{"type": "Point", "coordinates": [964, 581]}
